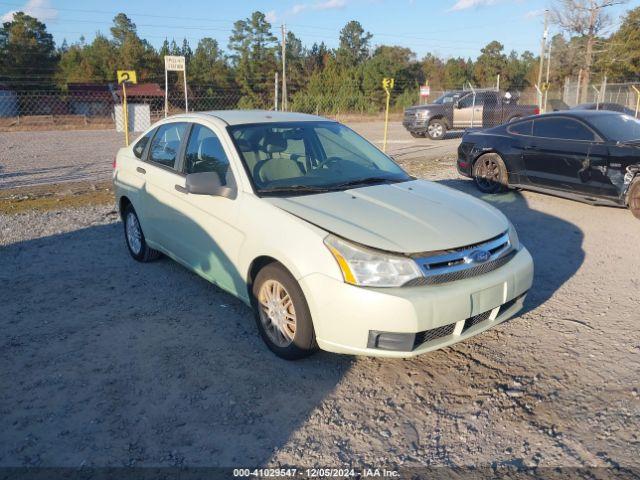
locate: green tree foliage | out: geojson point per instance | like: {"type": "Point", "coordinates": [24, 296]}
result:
{"type": "Point", "coordinates": [27, 51]}
{"type": "Point", "coordinates": [209, 66]}
{"type": "Point", "coordinates": [491, 63]}
{"type": "Point", "coordinates": [354, 44]}
{"type": "Point", "coordinates": [253, 48]}
{"type": "Point", "coordinates": [623, 59]}
{"type": "Point", "coordinates": [320, 79]}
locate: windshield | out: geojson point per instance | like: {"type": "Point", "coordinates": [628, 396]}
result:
{"type": "Point", "coordinates": [621, 128]}
{"type": "Point", "coordinates": [448, 97]}
{"type": "Point", "coordinates": [311, 156]}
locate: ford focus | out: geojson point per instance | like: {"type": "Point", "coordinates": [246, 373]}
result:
{"type": "Point", "coordinates": [331, 243]}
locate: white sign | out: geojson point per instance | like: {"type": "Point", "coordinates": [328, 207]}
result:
{"type": "Point", "coordinates": [425, 90]}
{"type": "Point", "coordinates": [173, 63]}
{"type": "Point", "coordinates": [139, 117]}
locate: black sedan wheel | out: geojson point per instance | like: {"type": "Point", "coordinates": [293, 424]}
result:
{"type": "Point", "coordinates": [490, 173]}
{"type": "Point", "coordinates": [634, 198]}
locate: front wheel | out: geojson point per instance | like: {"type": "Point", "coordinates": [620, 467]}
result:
{"type": "Point", "coordinates": [282, 313]}
{"type": "Point", "coordinates": [134, 236]}
{"type": "Point", "coordinates": [436, 129]}
{"type": "Point", "coordinates": [490, 173]}
{"type": "Point", "coordinates": [634, 198]}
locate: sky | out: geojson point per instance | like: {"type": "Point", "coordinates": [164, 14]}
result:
{"type": "Point", "coordinates": [449, 28]}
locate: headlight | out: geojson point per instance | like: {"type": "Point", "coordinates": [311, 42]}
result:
{"type": "Point", "coordinates": [423, 113]}
{"type": "Point", "coordinates": [371, 268]}
{"type": "Point", "coordinates": [513, 237]}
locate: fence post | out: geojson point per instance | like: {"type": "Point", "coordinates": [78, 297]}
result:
{"type": "Point", "coordinates": [637, 99]}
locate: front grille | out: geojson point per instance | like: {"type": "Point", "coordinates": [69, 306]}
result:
{"type": "Point", "coordinates": [476, 319]}
{"type": "Point", "coordinates": [479, 269]}
{"type": "Point", "coordinates": [464, 262]}
{"type": "Point", "coordinates": [446, 330]}
{"type": "Point", "coordinates": [433, 334]}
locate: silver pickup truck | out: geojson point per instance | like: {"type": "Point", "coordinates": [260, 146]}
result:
{"type": "Point", "coordinates": [462, 109]}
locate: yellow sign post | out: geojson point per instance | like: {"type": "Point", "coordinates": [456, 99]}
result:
{"type": "Point", "coordinates": [387, 85]}
{"type": "Point", "coordinates": [124, 77]}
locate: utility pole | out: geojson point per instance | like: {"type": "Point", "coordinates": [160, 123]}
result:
{"type": "Point", "coordinates": [284, 68]}
{"type": "Point", "coordinates": [275, 93]}
{"type": "Point", "coordinates": [543, 46]}
{"type": "Point", "coordinates": [546, 90]}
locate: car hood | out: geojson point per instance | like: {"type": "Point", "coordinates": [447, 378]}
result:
{"type": "Point", "coordinates": [428, 106]}
{"type": "Point", "coordinates": [408, 217]}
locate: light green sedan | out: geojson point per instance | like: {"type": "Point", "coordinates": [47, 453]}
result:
{"type": "Point", "coordinates": [331, 243]}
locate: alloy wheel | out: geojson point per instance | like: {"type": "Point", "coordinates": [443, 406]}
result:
{"type": "Point", "coordinates": [435, 130]}
{"type": "Point", "coordinates": [277, 313]}
{"type": "Point", "coordinates": [134, 233]}
{"type": "Point", "coordinates": [488, 172]}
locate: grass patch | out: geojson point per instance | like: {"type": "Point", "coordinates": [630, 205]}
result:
{"type": "Point", "coordinates": [55, 197]}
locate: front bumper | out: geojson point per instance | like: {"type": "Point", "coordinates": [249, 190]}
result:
{"type": "Point", "coordinates": [414, 124]}
{"type": "Point", "coordinates": [344, 315]}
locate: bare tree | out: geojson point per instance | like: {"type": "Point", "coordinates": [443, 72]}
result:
{"type": "Point", "coordinates": [588, 19]}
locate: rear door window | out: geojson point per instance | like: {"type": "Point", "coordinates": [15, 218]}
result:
{"type": "Point", "coordinates": [562, 128]}
{"type": "Point", "coordinates": [166, 144]}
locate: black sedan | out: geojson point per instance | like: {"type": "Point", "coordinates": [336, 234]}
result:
{"type": "Point", "coordinates": [587, 155]}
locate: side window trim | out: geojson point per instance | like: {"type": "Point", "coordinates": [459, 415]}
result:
{"type": "Point", "coordinates": [596, 137]}
{"type": "Point", "coordinates": [147, 154]}
{"type": "Point", "coordinates": [147, 147]}
{"type": "Point", "coordinates": [510, 129]}
{"type": "Point", "coordinates": [180, 161]}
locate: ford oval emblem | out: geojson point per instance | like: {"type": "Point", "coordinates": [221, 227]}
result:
{"type": "Point", "coordinates": [479, 256]}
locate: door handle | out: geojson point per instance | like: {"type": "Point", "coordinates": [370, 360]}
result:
{"type": "Point", "coordinates": [181, 189]}
{"type": "Point", "coordinates": [531, 147]}
{"type": "Point", "coordinates": [141, 170]}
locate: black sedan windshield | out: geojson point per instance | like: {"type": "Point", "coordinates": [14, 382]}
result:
{"type": "Point", "coordinates": [617, 127]}
{"type": "Point", "coordinates": [308, 157]}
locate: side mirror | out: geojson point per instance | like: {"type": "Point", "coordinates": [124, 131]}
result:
{"type": "Point", "coordinates": [209, 183]}
{"type": "Point", "coordinates": [456, 104]}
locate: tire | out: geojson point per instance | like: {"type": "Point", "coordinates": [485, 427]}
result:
{"type": "Point", "coordinates": [633, 198]}
{"type": "Point", "coordinates": [418, 135]}
{"type": "Point", "coordinates": [287, 337]}
{"type": "Point", "coordinates": [490, 173]}
{"type": "Point", "coordinates": [133, 235]}
{"type": "Point", "coordinates": [436, 130]}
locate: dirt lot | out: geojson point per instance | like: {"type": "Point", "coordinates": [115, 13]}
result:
{"type": "Point", "coordinates": [105, 361]}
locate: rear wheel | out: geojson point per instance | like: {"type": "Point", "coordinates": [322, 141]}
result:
{"type": "Point", "coordinates": [490, 173]}
{"type": "Point", "coordinates": [436, 129]}
{"type": "Point", "coordinates": [282, 313]}
{"type": "Point", "coordinates": [634, 198]}
{"type": "Point", "coordinates": [134, 236]}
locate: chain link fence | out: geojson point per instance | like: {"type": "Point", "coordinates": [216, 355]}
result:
{"type": "Point", "coordinates": [94, 106]}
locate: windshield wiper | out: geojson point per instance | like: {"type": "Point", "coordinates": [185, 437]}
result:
{"type": "Point", "coordinates": [294, 189]}
{"type": "Point", "coordinates": [363, 181]}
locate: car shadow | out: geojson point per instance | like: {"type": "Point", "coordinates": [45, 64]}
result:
{"type": "Point", "coordinates": [111, 362]}
{"type": "Point", "coordinates": [555, 244]}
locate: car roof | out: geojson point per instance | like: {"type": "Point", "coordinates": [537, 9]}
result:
{"type": "Point", "coordinates": [240, 117]}
{"type": "Point", "coordinates": [580, 114]}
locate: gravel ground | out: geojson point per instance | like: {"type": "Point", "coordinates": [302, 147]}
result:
{"type": "Point", "coordinates": [38, 158]}
{"type": "Point", "coordinates": [105, 361]}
